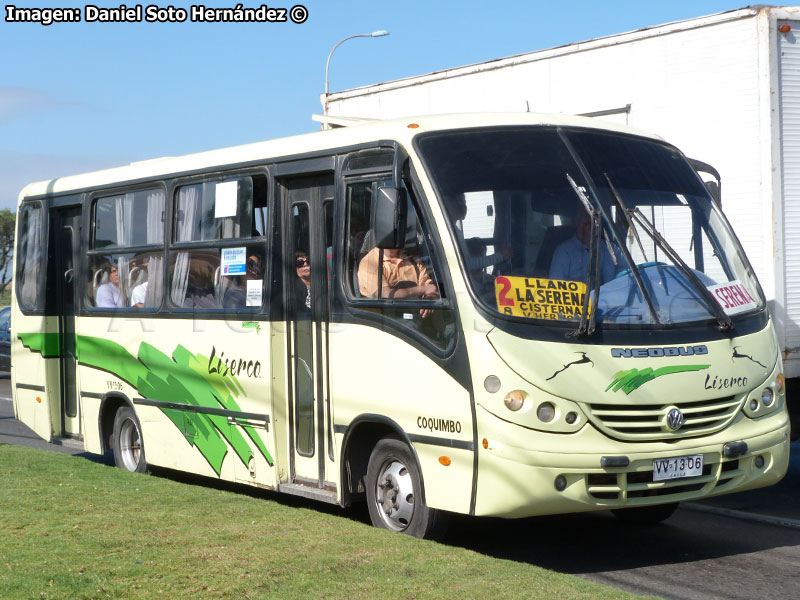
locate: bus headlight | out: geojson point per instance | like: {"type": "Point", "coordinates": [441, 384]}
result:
{"type": "Point", "coordinates": [514, 400]}
{"type": "Point", "coordinates": [546, 412]}
{"type": "Point", "coordinates": [768, 398]}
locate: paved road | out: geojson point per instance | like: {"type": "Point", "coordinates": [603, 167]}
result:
{"type": "Point", "coordinates": [742, 546]}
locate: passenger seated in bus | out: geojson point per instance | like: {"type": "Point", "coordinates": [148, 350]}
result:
{"type": "Point", "coordinates": [109, 295]}
{"type": "Point", "coordinates": [477, 250]}
{"type": "Point", "coordinates": [200, 287]}
{"type": "Point", "coordinates": [402, 277]}
{"type": "Point", "coordinates": [139, 290]}
{"type": "Point", "coordinates": [236, 295]}
{"type": "Point", "coordinates": [138, 295]}
{"type": "Point", "coordinates": [303, 284]}
{"type": "Point", "coordinates": [571, 257]}
{"type": "Point", "coordinates": [457, 207]}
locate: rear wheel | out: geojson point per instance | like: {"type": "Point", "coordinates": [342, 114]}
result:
{"type": "Point", "coordinates": [645, 515]}
{"type": "Point", "coordinates": [394, 492]}
{"type": "Point", "coordinates": [128, 445]}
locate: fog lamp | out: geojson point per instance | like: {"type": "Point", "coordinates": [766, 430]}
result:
{"type": "Point", "coordinates": [571, 417]}
{"type": "Point", "coordinates": [759, 461]}
{"type": "Point", "coordinates": [767, 397]}
{"type": "Point", "coordinates": [514, 400]}
{"type": "Point", "coordinates": [491, 383]}
{"type": "Point", "coordinates": [561, 483]}
{"type": "Point", "coordinates": [754, 404]}
{"type": "Point", "coordinates": [546, 412]}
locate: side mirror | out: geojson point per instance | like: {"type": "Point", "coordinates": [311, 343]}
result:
{"type": "Point", "coordinates": [714, 186]}
{"type": "Point", "coordinates": [713, 189]}
{"type": "Point", "coordinates": [389, 218]}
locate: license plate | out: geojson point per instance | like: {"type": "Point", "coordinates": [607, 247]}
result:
{"type": "Point", "coordinates": [677, 467]}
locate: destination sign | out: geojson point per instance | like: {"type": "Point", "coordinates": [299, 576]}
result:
{"type": "Point", "coordinates": [536, 298]}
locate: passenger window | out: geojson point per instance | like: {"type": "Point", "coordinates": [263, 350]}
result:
{"type": "Point", "coordinates": [129, 219]}
{"type": "Point", "coordinates": [126, 280]}
{"type": "Point", "coordinates": [394, 276]}
{"type": "Point", "coordinates": [123, 279]}
{"type": "Point", "coordinates": [221, 210]}
{"type": "Point", "coordinates": [226, 275]}
{"type": "Point", "coordinates": [231, 278]}
{"type": "Point", "coordinates": [29, 256]}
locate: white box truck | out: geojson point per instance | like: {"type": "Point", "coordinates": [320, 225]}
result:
{"type": "Point", "coordinates": [724, 88]}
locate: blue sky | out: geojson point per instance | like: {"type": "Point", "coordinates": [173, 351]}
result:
{"type": "Point", "coordinates": [76, 97]}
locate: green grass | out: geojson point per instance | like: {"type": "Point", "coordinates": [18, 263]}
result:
{"type": "Point", "coordinates": [71, 528]}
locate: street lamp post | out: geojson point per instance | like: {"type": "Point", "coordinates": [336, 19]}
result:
{"type": "Point", "coordinates": [379, 33]}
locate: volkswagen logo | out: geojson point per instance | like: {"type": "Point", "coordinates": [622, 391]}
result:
{"type": "Point", "coordinates": [674, 419]}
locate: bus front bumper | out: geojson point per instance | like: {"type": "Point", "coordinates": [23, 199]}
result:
{"type": "Point", "coordinates": [524, 472]}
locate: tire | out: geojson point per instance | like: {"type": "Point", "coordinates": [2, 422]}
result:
{"type": "Point", "coordinates": [395, 494]}
{"type": "Point", "coordinates": [128, 444]}
{"type": "Point", "coordinates": [646, 515]}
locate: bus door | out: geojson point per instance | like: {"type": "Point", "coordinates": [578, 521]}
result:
{"type": "Point", "coordinates": [65, 242]}
{"type": "Point", "coordinates": [308, 206]}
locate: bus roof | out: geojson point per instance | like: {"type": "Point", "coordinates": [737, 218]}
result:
{"type": "Point", "coordinates": [359, 132]}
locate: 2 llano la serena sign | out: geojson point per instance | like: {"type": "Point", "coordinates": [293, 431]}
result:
{"type": "Point", "coordinates": [535, 298]}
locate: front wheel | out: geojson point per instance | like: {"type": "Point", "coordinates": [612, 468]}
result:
{"type": "Point", "coordinates": [128, 444]}
{"type": "Point", "coordinates": [645, 515]}
{"type": "Point", "coordinates": [394, 492]}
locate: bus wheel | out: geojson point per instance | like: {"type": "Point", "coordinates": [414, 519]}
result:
{"type": "Point", "coordinates": [645, 515]}
{"type": "Point", "coordinates": [394, 492]}
{"type": "Point", "coordinates": [128, 446]}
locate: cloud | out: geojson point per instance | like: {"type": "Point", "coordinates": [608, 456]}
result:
{"type": "Point", "coordinates": [18, 101]}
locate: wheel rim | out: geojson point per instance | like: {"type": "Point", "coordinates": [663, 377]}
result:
{"type": "Point", "coordinates": [130, 445]}
{"type": "Point", "coordinates": [394, 495]}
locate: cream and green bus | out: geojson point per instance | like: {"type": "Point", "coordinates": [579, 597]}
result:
{"type": "Point", "coordinates": [505, 315]}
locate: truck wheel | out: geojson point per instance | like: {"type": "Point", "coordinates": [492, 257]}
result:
{"type": "Point", "coordinates": [128, 445]}
{"type": "Point", "coordinates": [645, 515]}
{"type": "Point", "coordinates": [394, 492]}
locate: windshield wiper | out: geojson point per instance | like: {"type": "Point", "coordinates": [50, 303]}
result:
{"type": "Point", "coordinates": [587, 322]}
{"type": "Point", "coordinates": [627, 213]}
{"type": "Point", "coordinates": [723, 320]}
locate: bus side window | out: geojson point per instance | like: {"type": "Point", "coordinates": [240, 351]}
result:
{"type": "Point", "coordinates": [120, 222]}
{"type": "Point", "coordinates": [29, 257]}
{"type": "Point", "coordinates": [394, 276]}
{"type": "Point", "coordinates": [195, 277]}
{"type": "Point", "coordinates": [359, 239]}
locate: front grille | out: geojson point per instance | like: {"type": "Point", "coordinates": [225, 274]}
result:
{"type": "Point", "coordinates": [643, 422]}
{"type": "Point", "coordinates": [628, 488]}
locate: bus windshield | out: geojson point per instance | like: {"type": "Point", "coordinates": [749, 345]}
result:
{"type": "Point", "coordinates": [587, 227]}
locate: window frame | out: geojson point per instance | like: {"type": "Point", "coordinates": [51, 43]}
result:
{"type": "Point", "coordinates": [39, 309]}
{"type": "Point", "coordinates": [173, 247]}
{"type": "Point", "coordinates": [88, 242]}
{"type": "Point", "coordinates": [364, 308]}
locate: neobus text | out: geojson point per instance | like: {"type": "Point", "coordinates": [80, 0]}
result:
{"type": "Point", "coordinates": [658, 352]}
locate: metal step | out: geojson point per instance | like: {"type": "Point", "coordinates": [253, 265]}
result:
{"type": "Point", "coordinates": [68, 442]}
{"type": "Point", "coordinates": [306, 491]}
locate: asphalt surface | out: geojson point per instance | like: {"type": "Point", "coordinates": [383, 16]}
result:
{"type": "Point", "coordinates": [740, 546]}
